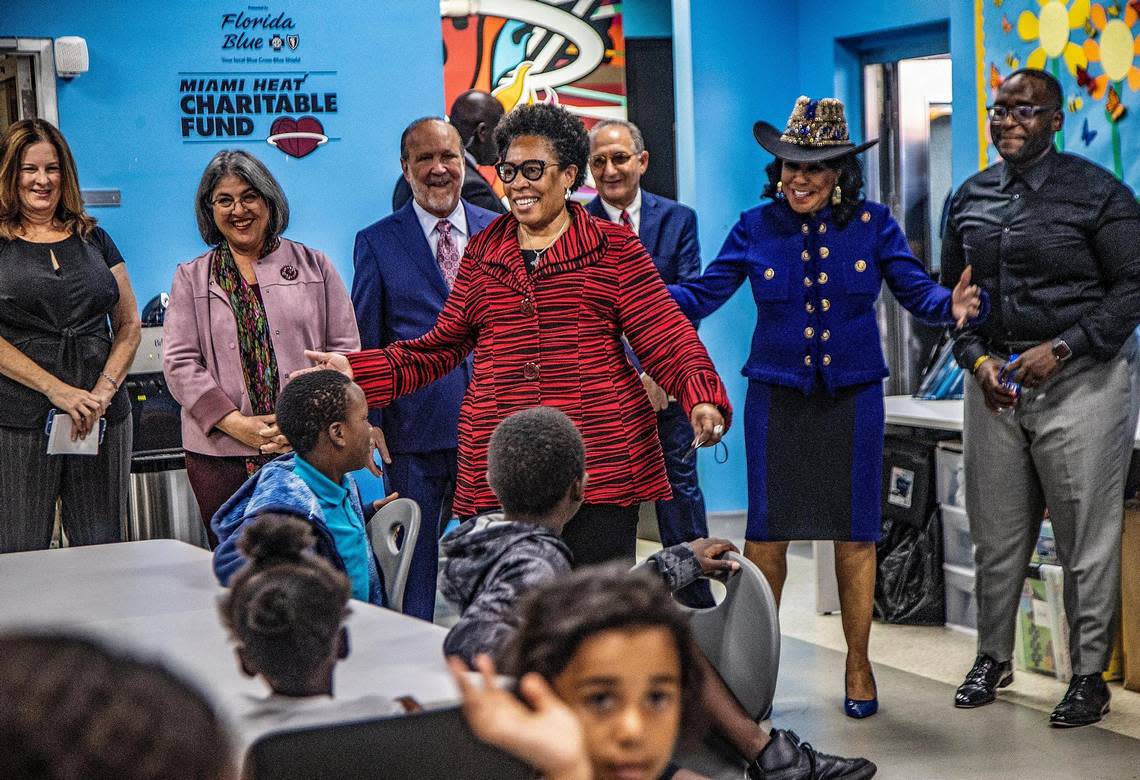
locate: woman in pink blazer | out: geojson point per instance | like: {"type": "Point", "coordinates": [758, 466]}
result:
{"type": "Point", "coordinates": [239, 320]}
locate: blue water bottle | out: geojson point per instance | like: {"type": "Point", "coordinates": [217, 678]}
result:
{"type": "Point", "coordinates": [1006, 380]}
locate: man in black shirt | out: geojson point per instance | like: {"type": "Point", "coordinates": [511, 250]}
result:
{"type": "Point", "coordinates": [1055, 240]}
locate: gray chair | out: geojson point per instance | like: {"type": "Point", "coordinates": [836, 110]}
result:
{"type": "Point", "coordinates": [393, 531]}
{"type": "Point", "coordinates": [741, 638]}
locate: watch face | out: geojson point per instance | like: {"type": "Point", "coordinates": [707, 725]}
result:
{"type": "Point", "coordinates": [1061, 350]}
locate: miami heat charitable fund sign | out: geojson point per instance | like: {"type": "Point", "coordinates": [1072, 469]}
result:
{"type": "Point", "coordinates": [262, 93]}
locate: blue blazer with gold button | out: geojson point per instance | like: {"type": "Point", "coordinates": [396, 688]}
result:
{"type": "Point", "coordinates": [815, 286]}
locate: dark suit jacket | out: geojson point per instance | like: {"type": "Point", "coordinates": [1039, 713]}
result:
{"type": "Point", "coordinates": [476, 191]}
{"type": "Point", "coordinates": [397, 292]}
{"type": "Point", "coordinates": [668, 233]}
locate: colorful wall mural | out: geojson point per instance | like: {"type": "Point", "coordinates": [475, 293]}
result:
{"type": "Point", "coordinates": [1092, 48]}
{"type": "Point", "coordinates": [569, 52]}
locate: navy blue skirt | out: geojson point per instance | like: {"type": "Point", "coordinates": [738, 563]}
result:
{"type": "Point", "coordinates": [815, 463]}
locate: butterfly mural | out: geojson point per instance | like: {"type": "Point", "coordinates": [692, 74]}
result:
{"type": "Point", "coordinates": [1113, 107]}
{"type": "Point", "coordinates": [1076, 104]}
{"type": "Point", "coordinates": [1006, 24]}
{"type": "Point", "coordinates": [1087, 135]}
{"type": "Point", "coordinates": [995, 77]}
{"type": "Point", "coordinates": [1085, 80]}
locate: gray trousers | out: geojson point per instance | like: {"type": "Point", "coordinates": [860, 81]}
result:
{"type": "Point", "coordinates": [92, 489]}
{"type": "Point", "coordinates": [1066, 446]}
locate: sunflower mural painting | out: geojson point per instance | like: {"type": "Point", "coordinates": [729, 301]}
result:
{"type": "Point", "coordinates": [1092, 49]}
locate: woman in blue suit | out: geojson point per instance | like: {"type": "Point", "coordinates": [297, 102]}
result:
{"type": "Point", "coordinates": [816, 257]}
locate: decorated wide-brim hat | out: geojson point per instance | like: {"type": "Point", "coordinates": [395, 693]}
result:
{"type": "Point", "coordinates": [816, 131]}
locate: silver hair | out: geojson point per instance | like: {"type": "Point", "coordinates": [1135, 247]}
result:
{"type": "Point", "coordinates": [254, 173]}
{"type": "Point", "coordinates": [634, 132]}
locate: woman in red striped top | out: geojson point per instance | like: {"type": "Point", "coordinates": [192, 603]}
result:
{"type": "Point", "coordinates": [543, 296]}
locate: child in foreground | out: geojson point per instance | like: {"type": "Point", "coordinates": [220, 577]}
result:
{"type": "Point", "coordinates": [536, 466]}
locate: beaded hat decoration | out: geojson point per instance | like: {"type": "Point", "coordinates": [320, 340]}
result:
{"type": "Point", "coordinates": [816, 131]}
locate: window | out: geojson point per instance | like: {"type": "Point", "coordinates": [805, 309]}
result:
{"type": "Point", "coordinates": [27, 80]}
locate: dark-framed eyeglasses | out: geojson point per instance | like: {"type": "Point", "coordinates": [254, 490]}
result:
{"type": "Point", "coordinates": [598, 161]}
{"type": "Point", "coordinates": [1020, 113]}
{"type": "Point", "coordinates": [531, 170]}
{"type": "Point", "coordinates": [246, 199]}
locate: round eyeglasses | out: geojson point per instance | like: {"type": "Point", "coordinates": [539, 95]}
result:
{"type": "Point", "coordinates": [246, 199]}
{"type": "Point", "coordinates": [531, 170]}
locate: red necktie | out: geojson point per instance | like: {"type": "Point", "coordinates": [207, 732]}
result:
{"type": "Point", "coordinates": [446, 253]}
{"type": "Point", "coordinates": [625, 220]}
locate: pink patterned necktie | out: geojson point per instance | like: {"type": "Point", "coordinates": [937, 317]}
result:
{"type": "Point", "coordinates": [625, 220]}
{"type": "Point", "coordinates": [446, 253]}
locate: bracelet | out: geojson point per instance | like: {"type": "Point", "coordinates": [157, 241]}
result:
{"type": "Point", "coordinates": [110, 379]}
{"type": "Point", "coordinates": [978, 362]}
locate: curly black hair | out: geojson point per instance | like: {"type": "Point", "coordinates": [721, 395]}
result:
{"type": "Point", "coordinates": [309, 404]}
{"type": "Point", "coordinates": [75, 709]}
{"type": "Point", "coordinates": [558, 617]}
{"type": "Point", "coordinates": [286, 606]}
{"type": "Point", "coordinates": [562, 130]}
{"type": "Point", "coordinates": [850, 181]}
{"type": "Point", "coordinates": [533, 458]}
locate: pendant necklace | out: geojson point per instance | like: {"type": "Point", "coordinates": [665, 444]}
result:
{"type": "Point", "coordinates": [538, 253]}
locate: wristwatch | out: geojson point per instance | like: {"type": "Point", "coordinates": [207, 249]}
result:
{"type": "Point", "coordinates": [1061, 350]}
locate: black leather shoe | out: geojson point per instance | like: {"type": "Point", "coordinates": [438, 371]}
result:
{"type": "Point", "coordinates": [1085, 702]}
{"type": "Point", "coordinates": [786, 758]}
{"type": "Point", "coordinates": [981, 684]}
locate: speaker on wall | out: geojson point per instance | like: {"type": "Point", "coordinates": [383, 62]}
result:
{"type": "Point", "coordinates": [70, 56]}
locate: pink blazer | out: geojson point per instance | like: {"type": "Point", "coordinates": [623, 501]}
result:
{"type": "Point", "coordinates": [307, 306]}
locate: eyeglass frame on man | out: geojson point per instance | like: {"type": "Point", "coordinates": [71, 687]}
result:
{"type": "Point", "coordinates": [517, 169]}
{"type": "Point", "coordinates": [247, 199]}
{"type": "Point", "coordinates": [1017, 112]}
{"type": "Point", "coordinates": [599, 161]}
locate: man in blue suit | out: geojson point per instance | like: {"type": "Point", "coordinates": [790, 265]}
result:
{"type": "Point", "coordinates": [405, 265]}
{"type": "Point", "coordinates": [668, 230]}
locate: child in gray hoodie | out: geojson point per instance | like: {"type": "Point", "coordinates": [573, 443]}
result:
{"type": "Point", "coordinates": [536, 464]}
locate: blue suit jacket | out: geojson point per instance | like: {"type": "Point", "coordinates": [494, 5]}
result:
{"type": "Point", "coordinates": [668, 232]}
{"type": "Point", "coordinates": [397, 292]}
{"type": "Point", "coordinates": [815, 286]}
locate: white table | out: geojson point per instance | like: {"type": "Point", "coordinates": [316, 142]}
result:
{"type": "Point", "coordinates": [937, 415]}
{"type": "Point", "coordinates": [160, 597]}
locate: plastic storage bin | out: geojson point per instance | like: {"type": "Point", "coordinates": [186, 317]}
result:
{"type": "Point", "coordinates": [961, 606]}
{"type": "Point", "coordinates": [957, 545]}
{"type": "Point", "coordinates": [950, 474]}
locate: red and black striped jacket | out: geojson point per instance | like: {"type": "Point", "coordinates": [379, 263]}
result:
{"type": "Point", "coordinates": [554, 338]}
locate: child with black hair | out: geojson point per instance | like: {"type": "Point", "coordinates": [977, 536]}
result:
{"type": "Point", "coordinates": [72, 709]}
{"type": "Point", "coordinates": [285, 612]}
{"type": "Point", "coordinates": [324, 417]}
{"type": "Point", "coordinates": [536, 466]}
{"type": "Point", "coordinates": [607, 664]}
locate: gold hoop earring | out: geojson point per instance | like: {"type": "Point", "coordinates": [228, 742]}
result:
{"type": "Point", "coordinates": [836, 195]}
{"type": "Point", "coordinates": [780, 189]}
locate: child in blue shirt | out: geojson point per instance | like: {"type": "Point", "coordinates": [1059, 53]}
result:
{"type": "Point", "coordinates": [324, 416]}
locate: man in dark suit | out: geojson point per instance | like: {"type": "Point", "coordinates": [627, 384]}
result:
{"type": "Point", "coordinates": [405, 265]}
{"type": "Point", "coordinates": [474, 114]}
{"type": "Point", "coordinates": [668, 230]}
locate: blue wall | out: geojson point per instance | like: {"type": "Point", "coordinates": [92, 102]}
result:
{"type": "Point", "coordinates": [647, 18]}
{"type": "Point", "coordinates": [122, 117]}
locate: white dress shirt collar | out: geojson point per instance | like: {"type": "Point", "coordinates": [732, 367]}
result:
{"type": "Point", "coordinates": [428, 222]}
{"type": "Point", "coordinates": [633, 209]}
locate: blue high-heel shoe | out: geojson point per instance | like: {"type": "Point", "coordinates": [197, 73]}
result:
{"type": "Point", "coordinates": [860, 708]}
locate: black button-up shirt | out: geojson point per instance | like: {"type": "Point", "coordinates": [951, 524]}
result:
{"type": "Point", "coordinates": [1057, 247]}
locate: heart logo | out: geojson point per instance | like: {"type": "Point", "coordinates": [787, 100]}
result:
{"type": "Point", "coordinates": [297, 137]}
